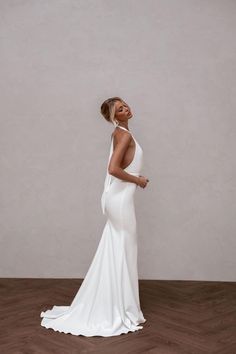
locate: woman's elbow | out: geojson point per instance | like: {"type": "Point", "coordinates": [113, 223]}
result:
{"type": "Point", "coordinates": [112, 170]}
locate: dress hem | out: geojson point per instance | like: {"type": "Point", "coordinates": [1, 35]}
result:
{"type": "Point", "coordinates": [89, 334]}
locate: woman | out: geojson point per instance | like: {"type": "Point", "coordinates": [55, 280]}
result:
{"type": "Point", "coordinates": [107, 302]}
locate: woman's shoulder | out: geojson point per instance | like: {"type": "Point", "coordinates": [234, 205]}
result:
{"type": "Point", "coordinates": [121, 136]}
{"type": "Point", "coordinates": [118, 133]}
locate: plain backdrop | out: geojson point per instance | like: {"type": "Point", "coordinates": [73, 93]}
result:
{"type": "Point", "coordinates": [174, 63]}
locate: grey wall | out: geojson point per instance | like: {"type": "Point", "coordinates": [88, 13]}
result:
{"type": "Point", "coordinates": [174, 63]}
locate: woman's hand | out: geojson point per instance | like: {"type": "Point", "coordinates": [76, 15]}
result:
{"type": "Point", "coordinates": [142, 181]}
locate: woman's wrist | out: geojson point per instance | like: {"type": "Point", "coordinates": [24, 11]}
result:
{"type": "Point", "coordinates": [137, 180]}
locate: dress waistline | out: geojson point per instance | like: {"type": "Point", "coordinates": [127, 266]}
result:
{"type": "Point", "coordinates": [109, 176]}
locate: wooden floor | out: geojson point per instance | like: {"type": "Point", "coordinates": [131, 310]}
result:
{"type": "Point", "coordinates": [182, 317]}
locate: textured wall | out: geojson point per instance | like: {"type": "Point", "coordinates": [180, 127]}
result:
{"type": "Point", "coordinates": [174, 63]}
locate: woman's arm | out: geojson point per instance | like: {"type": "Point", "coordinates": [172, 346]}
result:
{"type": "Point", "coordinates": [122, 140]}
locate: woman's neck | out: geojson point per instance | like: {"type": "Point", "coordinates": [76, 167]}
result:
{"type": "Point", "coordinates": [124, 126]}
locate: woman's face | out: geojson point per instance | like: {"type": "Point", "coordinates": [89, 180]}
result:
{"type": "Point", "coordinates": [122, 111]}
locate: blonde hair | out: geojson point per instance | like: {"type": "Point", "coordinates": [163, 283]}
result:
{"type": "Point", "coordinates": [108, 109]}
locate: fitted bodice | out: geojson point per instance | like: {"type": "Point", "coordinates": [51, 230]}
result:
{"type": "Point", "coordinates": [134, 168]}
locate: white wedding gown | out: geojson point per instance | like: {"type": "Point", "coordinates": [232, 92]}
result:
{"type": "Point", "coordinates": [107, 302]}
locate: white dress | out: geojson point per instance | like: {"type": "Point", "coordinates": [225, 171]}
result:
{"type": "Point", "coordinates": [107, 302]}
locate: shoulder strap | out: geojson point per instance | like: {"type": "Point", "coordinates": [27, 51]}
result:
{"type": "Point", "coordinates": [119, 126]}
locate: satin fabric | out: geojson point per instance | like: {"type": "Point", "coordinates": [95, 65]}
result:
{"type": "Point", "coordinates": [107, 302]}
